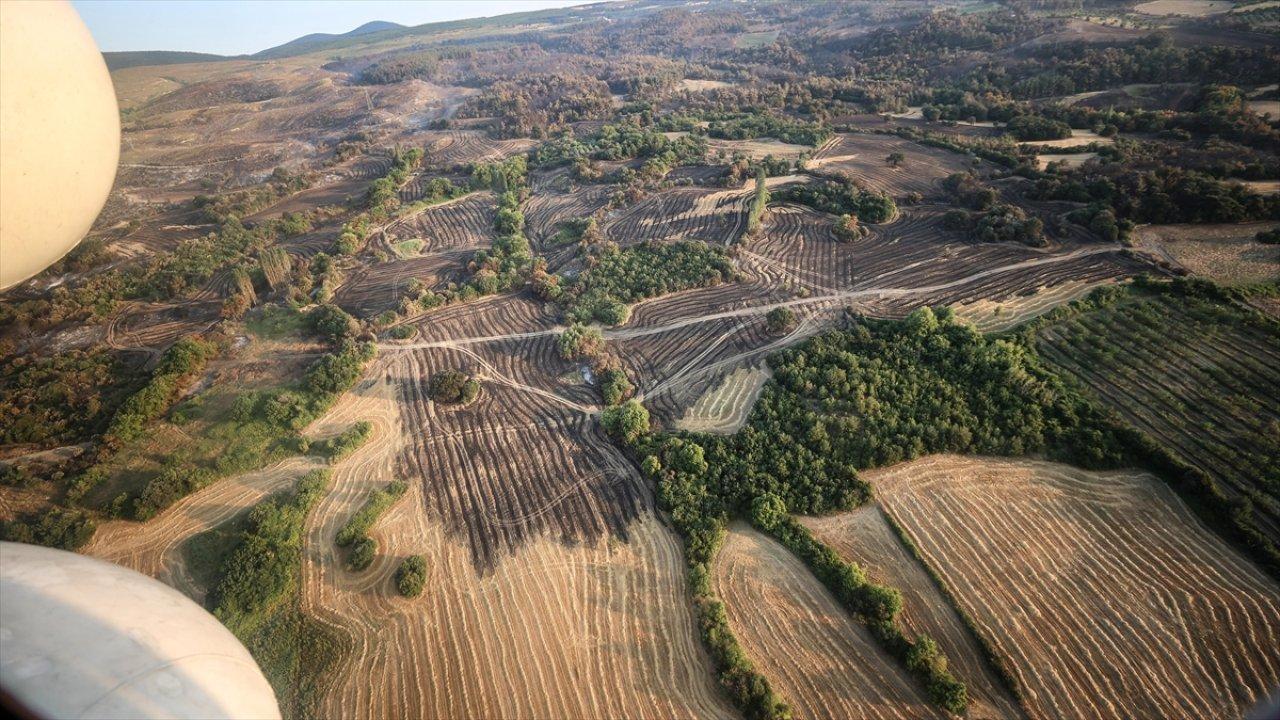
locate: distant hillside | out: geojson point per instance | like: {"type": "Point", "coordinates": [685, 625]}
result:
{"type": "Point", "coordinates": [375, 31]}
{"type": "Point", "coordinates": [135, 58]}
{"type": "Point", "coordinates": [315, 41]}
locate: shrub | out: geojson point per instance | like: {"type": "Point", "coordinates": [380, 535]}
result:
{"type": "Point", "coordinates": [615, 386]}
{"type": "Point", "coordinates": [332, 323]}
{"type": "Point", "coordinates": [411, 576]}
{"type": "Point", "coordinates": [362, 553]}
{"type": "Point", "coordinates": [57, 527]}
{"type": "Point", "coordinates": [345, 443]}
{"type": "Point", "coordinates": [848, 229]}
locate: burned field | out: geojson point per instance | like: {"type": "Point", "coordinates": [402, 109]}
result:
{"type": "Point", "coordinates": [617, 329]}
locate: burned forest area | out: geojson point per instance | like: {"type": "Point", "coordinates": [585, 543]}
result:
{"type": "Point", "coordinates": [680, 359]}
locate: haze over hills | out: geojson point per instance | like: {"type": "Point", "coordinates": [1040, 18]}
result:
{"type": "Point", "coordinates": [691, 359]}
{"type": "Point", "coordinates": [316, 41]}
{"type": "Point", "coordinates": [369, 32]}
{"type": "Point", "coordinates": [298, 46]}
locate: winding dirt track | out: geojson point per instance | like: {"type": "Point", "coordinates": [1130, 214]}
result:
{"type": "Point", "coordinates": [824, 663]}
{"type": "Point", "coordinates": [1106, 595]}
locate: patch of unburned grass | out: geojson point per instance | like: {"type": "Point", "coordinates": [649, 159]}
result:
{"type": "Point", "coordinates": [408, 248]}
{"type": "Point", "coordinates": [756, 39]}
{"type": "Point", "coordinates": [205, 553]}
{"type": "Point", "coordinates": [201, 436]}
{"type": "Point", "coordinates": [277, 322]}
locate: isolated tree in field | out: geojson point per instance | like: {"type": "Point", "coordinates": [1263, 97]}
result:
{"type": "Point", "coordinates": [453, 387]}
{"type": "Point", "coordinates": [848, 228]}
{"type": "Point", "coordinates": [626, 422]}
{"type": "Point", "coordinates": [895, 159]}
{"type": "Point", "coordinates": [780, 320]}
{"type": "Point", "coordinates": [591, 233]}
{"type": "Point", "coordinates": [411, 576]}
{"type": "Point", "coordinates": [580, 341]}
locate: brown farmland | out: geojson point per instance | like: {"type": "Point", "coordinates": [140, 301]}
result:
{"type": "Point", "coordinates": [1097, 588]}
{"type": "Point", "coordinates": [825, 664]}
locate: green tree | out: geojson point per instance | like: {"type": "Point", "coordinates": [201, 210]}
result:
{"type": "Point", "coordinates": [626, 422]}
{"type": "Point", "coordinates": [411, 576]}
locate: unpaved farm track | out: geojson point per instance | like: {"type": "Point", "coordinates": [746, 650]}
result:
{"type": "Point", "coordinates": [824, 663]}
{"type": "Point", "coordinates": [1106, 595]}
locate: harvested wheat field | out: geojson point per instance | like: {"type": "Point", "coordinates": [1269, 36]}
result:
{"type": "Point", "coordinates": [1224, 253]}
{"type": "Point", "coordinates": [1199, 376]}
{"type": "Point", "coordinates": [759, 148]}
{"type": "Point", "coordinates": [865, 538]}
{"type": "Point", "coordinates": [600, 629]}
{"type": "Point", "coordinates": [1077, 139]}
{"type": "Point", "coordinates": [464, 223]}
{"type": "Point", "coordinates": [714, 215]}
{"type": "Point", "coordinates": [1102, 592]}
{"type": "Point", "coordinates": [998, 316]}
{"type": "Point", "coordinates": [1071, 160]}
{"type": "Point", "coordinates": [701, 85]}
{"type": "Point", "coordinates": [1189, 8]}
{"type": "Point", "coordinates": [864, 157]}
{"type": "Point", "coordinates": [825, 664]}
{"type": "Point", "coordinates": [724, 408]}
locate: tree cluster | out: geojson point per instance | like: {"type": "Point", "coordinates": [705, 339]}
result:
{"type": "Point", "coordinates": [841, 198]}
{"type": "Point", "coordinates": [264, 568]}
{"type": "Point", "coordinates": [537, 105]}
{"type": "Point", "coordinates": [411, 576]}
{"type": "Point", "coordinates": [618, 277]}
{"type": "Point", "coordinates": [453, 387]}
{"type": "Point", "coordinates": [354, 534]}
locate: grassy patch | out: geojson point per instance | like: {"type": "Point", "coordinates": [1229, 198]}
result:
{"type": "Point", "coordinates": [747, 41]}
{"type": "Point", "coordinates": [205, 553]}
{"type": "Point", "coordinates": [408, 248]}
{"type": "Point", "coordinates": [257, 591]}
{"type": "Point", "coordinates": [277, 322]}
{"type": "Point", "coordinates": [229, 429]}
